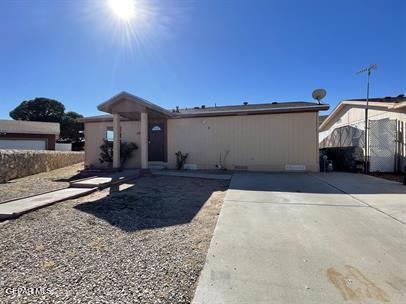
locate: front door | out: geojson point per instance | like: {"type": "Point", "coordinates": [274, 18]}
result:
{"type": "Point", "coordinates": [156, 141]}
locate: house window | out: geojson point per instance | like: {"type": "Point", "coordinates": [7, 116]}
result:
{"type": "Point", "coordinates": [156, 128]}
{"type": "Point", "coordinates": [109, 134]}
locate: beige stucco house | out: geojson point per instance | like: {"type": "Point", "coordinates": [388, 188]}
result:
{"type": "Point", "coordinates": [265, 137]}
{"type": "Point", "coordinates": [345, 126]}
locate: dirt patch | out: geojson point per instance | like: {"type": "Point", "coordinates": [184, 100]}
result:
{"type": "Point", "coordinates": [38, 183]}
{"type": "Point", "coordinates": [142, 243]}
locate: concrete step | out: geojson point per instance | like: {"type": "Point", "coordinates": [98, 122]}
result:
{"type": "Point", "coordinates": [15, 208]}
{"type": "Point", "coordinates": [157, 165]}
{"type": "Point", "coordinates": [105, 181]}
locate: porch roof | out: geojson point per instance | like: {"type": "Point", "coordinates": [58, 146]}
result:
{"type": "Point", "coordinates": [130, 106]}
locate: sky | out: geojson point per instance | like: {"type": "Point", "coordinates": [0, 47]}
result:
{"type": "Point", "coordinates": [188, 53]}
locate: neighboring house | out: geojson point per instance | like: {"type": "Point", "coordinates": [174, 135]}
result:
{"type": "Point", "coordinates": [322, 118]}
{"type": "Point", "coordinates": [266, 137]}
{"type": "Point", "coordinates": [28, 135]}
{"type": "Point", "coordinates": [345, 126]}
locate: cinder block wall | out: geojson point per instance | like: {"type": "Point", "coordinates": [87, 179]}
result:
{"type": "Point", "coordinates": [20, 163]}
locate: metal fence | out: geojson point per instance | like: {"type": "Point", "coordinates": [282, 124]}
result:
{"type": "Point", "coordinates": [382, 136]}
{"type": "Point", "coordinates": [386, 143]}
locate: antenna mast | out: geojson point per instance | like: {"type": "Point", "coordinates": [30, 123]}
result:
{"type": "Point", "coordinates": [367, 70]}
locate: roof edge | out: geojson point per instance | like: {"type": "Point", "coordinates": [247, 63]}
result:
{"type": "Point", "coordinates": [349, 102]}
{"type": "Point", "coordinates": [310, 108]}
{"type": "Point", "coordinates": [103, 106]}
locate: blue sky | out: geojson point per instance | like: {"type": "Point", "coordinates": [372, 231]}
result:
{"type": "Point", "coordinates": [189, 53]}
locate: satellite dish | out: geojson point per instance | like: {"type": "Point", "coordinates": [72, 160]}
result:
{"type": "Point", "coordinates": [319, 94]}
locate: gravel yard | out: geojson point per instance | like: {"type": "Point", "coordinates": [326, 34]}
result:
{"type": "Point", "coordinates": [38, 183]}
{"type": "Point", "coordinates": [146, 243]}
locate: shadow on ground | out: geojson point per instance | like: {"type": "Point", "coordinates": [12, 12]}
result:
{"type": "Point", "coordinates": [153, 202]}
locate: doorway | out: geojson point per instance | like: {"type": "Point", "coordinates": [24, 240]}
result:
{"type": "Point", "coordinates": [156, 141]}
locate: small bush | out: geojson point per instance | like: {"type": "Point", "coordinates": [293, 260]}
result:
{"type": "Point", "coordinates": [180, 159]}
{"type": "Point", "coordinates": [106, 151]}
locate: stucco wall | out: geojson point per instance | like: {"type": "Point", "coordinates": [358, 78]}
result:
{"type": "Point", "coordinates": [259, 142]}
{"type": "Point", "coordinates": [96, 131]}
{"type": "Point", "coordinates": [20, 163]}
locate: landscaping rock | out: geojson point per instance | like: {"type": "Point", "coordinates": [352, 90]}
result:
{"type": "Point", "coordinates": [145, 244]}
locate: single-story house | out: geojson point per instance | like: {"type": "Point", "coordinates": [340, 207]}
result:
{"type": "Point", "coordinates": [28, 135]}
{"type": "Point", "coordinates": [266, 137]}
{"type": "Point", "coordinates": [345, 126]}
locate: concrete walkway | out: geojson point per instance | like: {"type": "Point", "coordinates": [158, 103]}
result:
{"type": "Point", "coordinates": [18, 207]}
{"type": "Point", "coordinates": [307, 238]}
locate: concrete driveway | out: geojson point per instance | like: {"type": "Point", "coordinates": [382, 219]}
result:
{"type": "Point", "coordinates": [308, 238]}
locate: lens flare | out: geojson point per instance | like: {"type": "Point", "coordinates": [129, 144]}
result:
{"type": "Point", "coordinates": [123, 9]}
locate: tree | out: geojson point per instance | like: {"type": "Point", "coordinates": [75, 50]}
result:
{"type": "Point", "coordinates": [71, 129]}
{"type": "Point", "coordinates": [39, 109]}
{"type": "Point", "coordinates": [50, 110]}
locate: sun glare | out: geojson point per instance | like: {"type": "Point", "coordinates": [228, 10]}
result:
{"type": "Point", "coordinates": [123, 9]}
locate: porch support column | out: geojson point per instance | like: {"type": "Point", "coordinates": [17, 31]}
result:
{"type": "Point", "coordinates": [144, 140]}
{"type": "Point", "coordinates": [116, 141]}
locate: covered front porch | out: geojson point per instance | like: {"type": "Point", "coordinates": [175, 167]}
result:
{"type": "Point", "coordinates": [153, 126]}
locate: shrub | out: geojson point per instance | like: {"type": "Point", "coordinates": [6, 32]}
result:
{"type": "Point", "coordinates": [180, 159]}
{"type": "Point", "coordinates": [106, 151]}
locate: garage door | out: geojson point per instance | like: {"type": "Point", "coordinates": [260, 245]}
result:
{"type": "Point", "coordinates": [22, 144]}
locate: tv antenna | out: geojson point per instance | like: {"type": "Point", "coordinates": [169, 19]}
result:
{"type": "Point", "coordinates": [368, 70]}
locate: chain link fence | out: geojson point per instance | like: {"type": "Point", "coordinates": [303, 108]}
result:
{"type": "Point", "coordinates": [382, 144]}
{"type": "Point", "coordinates": [386, 142]}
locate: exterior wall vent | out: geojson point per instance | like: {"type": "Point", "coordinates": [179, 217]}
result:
{"type": "Point", "coordinates": [239, 167]}
{"type": "Point", "coordinates": [295, 168]}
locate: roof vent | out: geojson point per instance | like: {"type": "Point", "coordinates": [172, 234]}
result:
{"type": "Point", "coordinates": [245, 103]}
{"type": "Point", "coordinates": [275, 102]}
{"type": "Point", "coordinates": [203, 107]}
